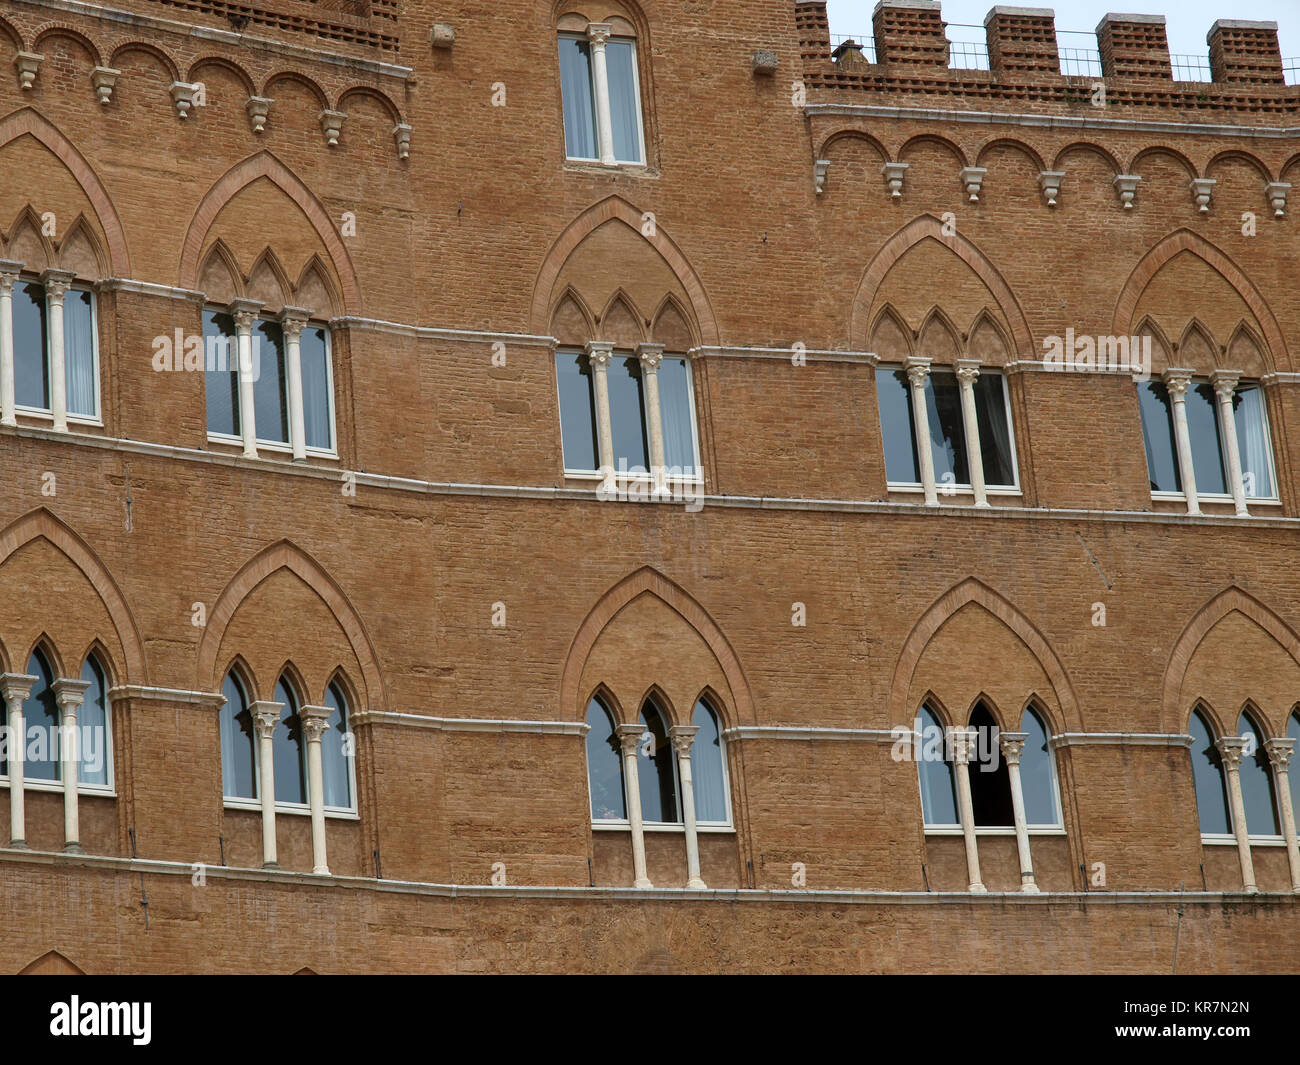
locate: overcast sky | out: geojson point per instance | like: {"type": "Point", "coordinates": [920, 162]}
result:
{"type": "Point", "coordinates": [1187, 21]}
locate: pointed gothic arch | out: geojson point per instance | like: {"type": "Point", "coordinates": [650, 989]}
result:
{"type": "Point", "coordinates": [234, 181]}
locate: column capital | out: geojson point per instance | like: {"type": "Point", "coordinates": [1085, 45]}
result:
{"type": "Point", "coordinates": [266, 715]}
{"type": "Point", "coordinates": [599, 32]}
{"type": "Point", "coordinates": [599, 352]}
{"type": "Point", "coordinates": [682, 736]}
{"type": "Point", "coordinates": [962, 741]}
{"type": "Point", "coordinates": [1231, 750]}
{"type": "Point", "coordinates": [17, 686]}
{"type": "Point", "coordinates": [56, 282]}
{"type": "Point", "coordinates": [918, 369]}
{"type": "Point", "coordinates": [69, 692]}
{"type": "Point", "coordinates": [1280, 749]}
{"type": "Point", "coordinates": [292, 321]}
{"type": "Point", "coordinates": [245, 311]}
{"type": "Point", "coordinates": [1225, 382]}
{"type": "Point", "coordinates": [968, 370]}
{"type": "Point", "coordinates": [1013, 744]}
{"type": "Point", "coordinates": [651, 355]}
{"type": "Point", "coordinates": [9, 271]}
{"type": "Point", "coordinates": [1177, 381]}
{"type": "Point", "coordinates": [315, 720]}
{"type": "Point", "coordinates": [629, 737]}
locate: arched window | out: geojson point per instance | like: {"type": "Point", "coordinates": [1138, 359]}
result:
{"type": "Point", "coordinates": [604, 766]}
{"type": "Point", "coordinates": [1293, 731]}
{"type": "Point", "coordinates": [336, 752]}
{"type": "Point", "coordinates": [657, 770]}
{"type": "Point", "coordinates": [41, 722]}
{"type": "Point", "coordinates": [1037, 775]}
{"type": "Point", "coordinates": [1257, 792]}
{"type": "Point", "coordinates": [1207, 775]}
{"type": "Point", "coordinates": [94, 729]}
{"type": "Point", "coordinates": [238, 744]}
{"type": "Point", "coordinates": [287, 748]}
{"type": "Point", "coordinates": [990, 782]}
{"type": "Point", "coordinates": [709, 768]}
{"type": "Point", "coordinates": [938, 787]}
{"type": "Point", "coordinates": [601, 92]}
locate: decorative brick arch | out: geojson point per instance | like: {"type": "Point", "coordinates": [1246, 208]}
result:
{"type": "Point", "coordinates": [270, 560]}
{"type": "Point", "coordinates": [29, 122]}
{"type": "Point", "coordinates": [615, 208]}
{"type": "Point", "coordinates": [1185, 240]}
{"type": "Point", "coordinates": [972, 591]}
{"type": "Point", "coordinates": [239, 177]}
{"type": "Point", "coordinates": [41, 524]}
{"type": "Point", "coordinates": [928, 227]}
{"type": "Point", "coordinates": [649, 581]}
{"type": "Point", "coordinates": [1230, 600]}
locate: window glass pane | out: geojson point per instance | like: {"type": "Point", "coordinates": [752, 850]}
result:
{"type": "Point", "coordinates": [625, 110]}
{"type": "Point", "coordinates": [317, 416]}
{"type": "Point", "coordinates": [79, 353]}
{"type": "Point", "coordinates": [1036, 774]}
{"type": "Point", "coordinates": [270, 394]}
{"type": "Point", "coordinates": [675, 413]}
{"type": "Point", "coordinates": [41, 722]}
{"type": "Point", "coordinates": [896, 427]}
{"type": "Point", "coordinates": [604, 766]}
{"type": "Point", "coordinates": [92, 728]}
{"type": "Point", "coordinates": [1293, 730]}
{"type": "Point", "coordinates": [990, 781]}
{"type": "Point", "coordinates": [579, 109]}
{"type": "Point", "coordinates": [631, 453]}
{"type": "Point", "coordinates": [31, 369]}
{"type": "Point", "coordinates": [947, 434]}
{"type": "Point", "coordinates": [290, 780]}
{"type": "Point", "coordinates": [707, 775]}
{"type": "Point", "coordinates": [656, 773]}
{"type": "Point", "coordinates": [1252, 442]}
{"type": "Point", "coordinates": [1158, 434]}
{"type": "Point", "coordinates": [994, 421]}
{"type": "Point", "coordinates": [1207, 775]}
{"type": "Point", "coordinates": [577, 411]}
{"type": "Point", "coordinates": [221, 372]}
{"type": "Point", "coordinates": [334, 747]}
{"type": "Point", "coordinates": [1257, 792]}
{"type": "Point", "coordinates": [1203, 431]}
{"type": "Point", "coordinates": [238, 779]}
{"type": "Point", "coordinates": [938, 787]}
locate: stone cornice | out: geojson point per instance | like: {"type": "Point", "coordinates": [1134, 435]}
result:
{"type": "Point", "coordinates": [805, 732]}
{"type": "Point", "coordinates": [1119, 739]}
{"type": "Point", "coordinates": [469, 724]}
{"type": "Point", "coordinates": [167, 695]}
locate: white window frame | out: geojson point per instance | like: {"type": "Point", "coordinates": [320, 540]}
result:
{"type": "Point", "coordinates": [959, 488]}
{"type": "Point", "coordinates": [46, 414]}
{"type": "Point", "coordinates": [595, 121]}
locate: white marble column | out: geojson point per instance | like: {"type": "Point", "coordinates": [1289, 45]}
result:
{"type": "Point", "coordinates": [1280, 750]}
{"type": "Point", "coordinates": [650, 356]}
{"type": "Point", "coordinates": [598, 35]}
{"type": "Point", "coordinates": [69, 694]}
{"type": "Point", "coordinates": [962, 742]}
{"type": "Point", "coordinates": [1231, 749]}
{"type": "Point", "coordinates": [315, 720]}
{"type": "Point", "coordinates": [629, 739]}
{"type": "Point", "coordinates": [9, 270]}
{"type": "Point", "coordinates": [266, 719]}
{"type": "Point", "coordinates": [599, 355]}
{"type": "Point", "coordinates": [1225, 387]}
{"type": "Point", "coordinates": [16, 687]}
{"type": "Point", "coordinates": [1013, 745]}
{"type": "Point", "coordinates": [682, 736]}
{"type": "Point", "coordinates": [56, 284]}
{"type": "Point", "coordinates": [245, 314]}
{"type": "Point", "coordinates": [967, 371]}
{"type": "Point", "coordinates": [292, 321]}
{"type": "Point", "coordinates": [918, 369]}
{"type": "Point", "coordinates": [1177, 382]}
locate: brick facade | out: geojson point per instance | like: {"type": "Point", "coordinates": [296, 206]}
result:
{"type": "Point", "coordinates": [173, 557]}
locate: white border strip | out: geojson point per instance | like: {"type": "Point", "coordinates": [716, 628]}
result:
{"type": "Point", "coordinates": [800, 732]}
{"type": "Point", "coordinates": [166, 695]}
{"type": "Point", "coordinates": [1119, 739]}
{"type": "Point", "coordinates": [469, 724]}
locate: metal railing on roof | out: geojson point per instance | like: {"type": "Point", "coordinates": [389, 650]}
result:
{"type": "Point", "coordinates": [1291, 71]}
{"type": "Point", "coordinates": [1078, 59]}
{"type": "Point", "coordinates": [1190, 67]}
{"type": "Point", "coordinates": [866, 43]}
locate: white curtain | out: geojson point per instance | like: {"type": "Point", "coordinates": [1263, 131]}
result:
{"type": "Point", "coordinates": [79, 353]}
{"type": "Point", "coordinates": [625, 109]}
{"type": "Point", "coordinates": [708, 778]}
{"type": "Point", "coordinates": [675, 414]}
{"type": "Point", "coordinates": [579, 110]}
{"type": "Point", "coordinates": [1252, 442]}
{"type": "Point", "coordinates": [317, 424]}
